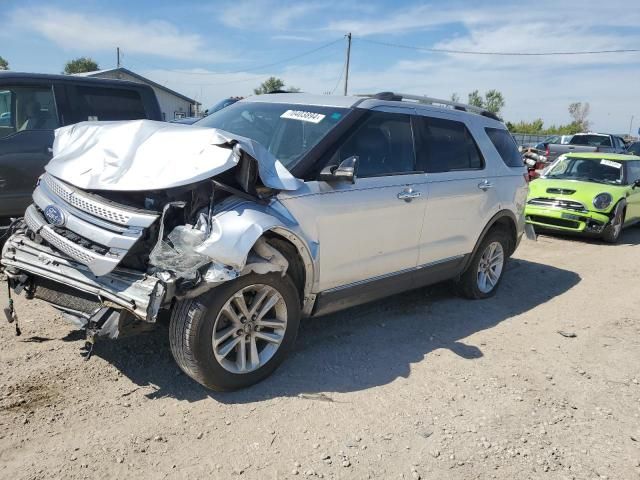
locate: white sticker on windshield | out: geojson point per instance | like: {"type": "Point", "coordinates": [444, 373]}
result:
{"type": "Point", "coordinates": [609, 163]}
{"type": "Point", "coordinates": [303, 116]}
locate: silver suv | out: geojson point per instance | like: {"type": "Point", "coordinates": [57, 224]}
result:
{"type": "Point", "coordinates": [275, 208]}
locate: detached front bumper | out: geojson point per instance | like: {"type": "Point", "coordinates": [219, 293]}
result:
{"type": "Point", "coordinates": [566, 220]}
{"type": "Point", "coordinates": [30, 264]}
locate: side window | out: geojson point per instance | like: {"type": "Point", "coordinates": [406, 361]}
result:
{"type": "Point", "coordinates": [445, 146]}
{"type": "Point", "coordinates": [99, 103]}
{"type": "Point", "coordinates": [633, 171]}
{"type": "Point", "coordinates": [506, 146]}
{"type": "Point", "coordinates": [383, 144]}
{"type": "Point", "coordinates": [27, 108]}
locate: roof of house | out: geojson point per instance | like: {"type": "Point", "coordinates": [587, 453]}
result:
{"type": "Point", "coordinates": [139, 77]}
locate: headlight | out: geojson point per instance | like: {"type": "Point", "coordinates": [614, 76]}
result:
{"type": "Point", "coordinates": [602, 201]}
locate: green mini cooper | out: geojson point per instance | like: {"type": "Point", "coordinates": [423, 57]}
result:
{"type": "Point", "coordinates": [590, 193]}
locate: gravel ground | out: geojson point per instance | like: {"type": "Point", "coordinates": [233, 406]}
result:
{"type": "Point", "coordinates": [420, 385]}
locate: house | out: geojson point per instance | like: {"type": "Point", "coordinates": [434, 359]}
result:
{"type": "Point", "coordinates": [172, 104]}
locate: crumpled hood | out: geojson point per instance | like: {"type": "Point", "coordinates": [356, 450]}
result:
{"type": "Point", "coordinates": [148, 155]}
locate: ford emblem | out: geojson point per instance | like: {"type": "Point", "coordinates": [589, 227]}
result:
{"type": "Point", "coordinates": [55, 216]}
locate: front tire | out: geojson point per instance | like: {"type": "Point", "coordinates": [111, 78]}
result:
{"type": "Point", "coordinates": [238, 333]}
{"type": "Point", "coordinates": [613, 230]}
{"type": "Point", "coordinates": [483, 275]}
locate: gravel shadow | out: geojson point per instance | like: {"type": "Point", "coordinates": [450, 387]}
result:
{"type": "Point", "coordinates": [359, 348]}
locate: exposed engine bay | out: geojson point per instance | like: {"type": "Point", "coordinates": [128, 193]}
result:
{"type": "Point", "coordinates": [109, 257]}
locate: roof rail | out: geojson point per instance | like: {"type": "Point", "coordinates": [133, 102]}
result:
{"type": "Point", "coordinates": [399, 97]}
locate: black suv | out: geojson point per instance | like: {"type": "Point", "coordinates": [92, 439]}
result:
{"type": "Point", "coordinates": [32, 106]}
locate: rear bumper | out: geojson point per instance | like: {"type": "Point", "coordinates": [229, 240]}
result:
{"type": "Point", "coordinates": [566, 220]}
{"type": "Point", "coordinates": [135, 292]}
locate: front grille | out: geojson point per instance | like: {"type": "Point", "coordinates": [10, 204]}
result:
{"type": "Point", "coordinates": [558, 203]}
{"type": "Point", "coordinates": [556, 222]}
{"type": "Point", "coordinates": [560, 191]}
{"type": "Point", "coordinates": [95, 232]}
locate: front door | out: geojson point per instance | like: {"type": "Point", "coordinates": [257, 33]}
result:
{"type": "Point", "coordinates": [28, 117]}
{"type": "Point", "coordinates": [633, 197]}
{"type": "Point", "coordinates": [369, 229]}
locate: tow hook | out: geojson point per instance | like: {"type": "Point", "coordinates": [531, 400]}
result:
{"type": "Point", "coordinates": [10, 312]}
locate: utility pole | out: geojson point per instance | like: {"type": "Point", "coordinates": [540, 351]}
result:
{"type": "Point", "coordinates": [346, 76]}
{"type": "Point", "coordinates": [630, 125]}
{"type": "Point", "coordinates": [118, 56]}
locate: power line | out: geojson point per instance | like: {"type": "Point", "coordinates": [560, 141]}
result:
{"type": "Point", "coordinates": [250, 69]}
{"type": "Point", "coordinates": [502, 54]}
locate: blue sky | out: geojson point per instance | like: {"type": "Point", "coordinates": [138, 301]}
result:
{"type": "Point", "coordinates": [209, 50]}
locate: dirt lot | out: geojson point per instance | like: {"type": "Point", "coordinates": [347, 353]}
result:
{"type": "Point", "coordinates": [421, 385]}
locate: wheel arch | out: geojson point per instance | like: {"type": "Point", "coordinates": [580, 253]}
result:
{"type": "Point", "coordinates": [505, 220]}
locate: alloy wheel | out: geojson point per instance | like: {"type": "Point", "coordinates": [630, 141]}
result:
{"type": "Point", "coordinates": [490, 267]}
{"type": "Point", "coordinates": [249, 329]}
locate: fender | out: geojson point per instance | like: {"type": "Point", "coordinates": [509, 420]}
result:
{"type": "Point", "coordinates": [497, 217]}
{"type": "Point", "coordinates": [236, 229]}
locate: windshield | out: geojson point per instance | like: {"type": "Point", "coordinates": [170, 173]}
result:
{"type": "Point", "coordinates": [592, 140]}
{"type": "Point", "coordinates": [634, 148]}
{"type": "Point", "coordinates": [288, 131]}
{"type": "Point", "coordinates": [597, 170]}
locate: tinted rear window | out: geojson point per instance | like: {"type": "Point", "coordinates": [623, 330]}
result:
{"type": "Point", "coordinates": [506, 146]}
{"type": "Point", "coordinates": [108, 104]}
{"type": "Point", "coordinates": [591, 140]}
{"type": "Point", "coordinates": [445, 146]}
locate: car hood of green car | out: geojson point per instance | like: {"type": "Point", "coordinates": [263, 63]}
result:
{"type": "Point", "coordinates": [583, 192]}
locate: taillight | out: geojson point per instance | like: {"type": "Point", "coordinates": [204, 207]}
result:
{"type": "Point", "coordinates": [547, 150]}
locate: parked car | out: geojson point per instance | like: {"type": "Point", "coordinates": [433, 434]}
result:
{"type": "Point", "coordinates": [633, 148]}
{"type": "Point", "coordinates": [553, 140]}
{"type": "Point", "coordinates": [281, 207]}
{"type": "Point", "coordinates": [586, 142]}
{"type": "Point", "coordinates": [32, 106]}
{"type": "Point", "coordinates": [589, 193]}
{"type": "Point", "coordinates": [218, 106]}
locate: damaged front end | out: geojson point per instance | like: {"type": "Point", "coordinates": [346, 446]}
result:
{"type": "Point", "coordinates": [111, 260]}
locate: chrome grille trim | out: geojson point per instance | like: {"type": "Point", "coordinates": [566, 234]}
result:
{"type": "Point", "coordinates": [124, 240]}
{"type": "Point", "coordinates": [96, 207]}
{"type": "Point", "coordinates": [98, 264]}
{"type": "Point", "coordinates": [558, 203]}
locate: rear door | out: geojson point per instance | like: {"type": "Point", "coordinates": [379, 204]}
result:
{"type": "Point", "coordinates": [462, 193]}
{"type": "Point", "coordinates": [370, 229]}
{"type": "Point", "coordinates": [104, 103]}
{"type": "Point", "coordinates": [28, 116]}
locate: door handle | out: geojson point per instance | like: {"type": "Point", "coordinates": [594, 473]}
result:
{"type": "Point", "coordinates": [409, 194]}
{"type": "Point", "coordinates": [485, 185]}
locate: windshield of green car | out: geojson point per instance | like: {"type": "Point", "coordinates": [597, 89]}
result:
{"type": "Point", "coordinates": [288, 131]}
{"type": "Point", "coordinates": [597, 170]}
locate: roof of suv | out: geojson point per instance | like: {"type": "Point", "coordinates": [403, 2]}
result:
{"type": "Point", "coordinates": [25, 76]}
{"type": "Point", "coordinates": [370, 101]}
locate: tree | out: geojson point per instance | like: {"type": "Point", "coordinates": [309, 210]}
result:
{"type": "Point", "coordinates": [455, 97]}
{"type": "Point", "coordinates": [476, 99]}
{"type": "Point", "coordinates": [80, 65]}
{"type": "Point", "coordinates": [4, 65]}
{"type": "Point", "coordinates": [579, 113]}
{"type": "Point", "coordinates": [273, 84]}
{"type": "Point", "coordinates": [494, 101]}
{"type": "Point", "coordinates": [269, 85]}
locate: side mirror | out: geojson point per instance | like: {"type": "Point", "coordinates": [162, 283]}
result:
{"type": "Point", "coordinates": [636, 184]}
{"type": "Point", "coordinates": [345, 171]}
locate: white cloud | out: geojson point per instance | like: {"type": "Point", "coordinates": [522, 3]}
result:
{"type": "Point", "coordinates": [91, 32]}
{"type": "Point", "coordinates": [266, 14]}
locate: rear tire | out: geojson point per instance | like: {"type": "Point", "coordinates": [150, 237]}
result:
{"type": "Point", "coordinates": [613, 231]}
{"type": "Point", "coordinates": [483, 275]}
{"type": "Point", "coordinates": [223, 349]}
